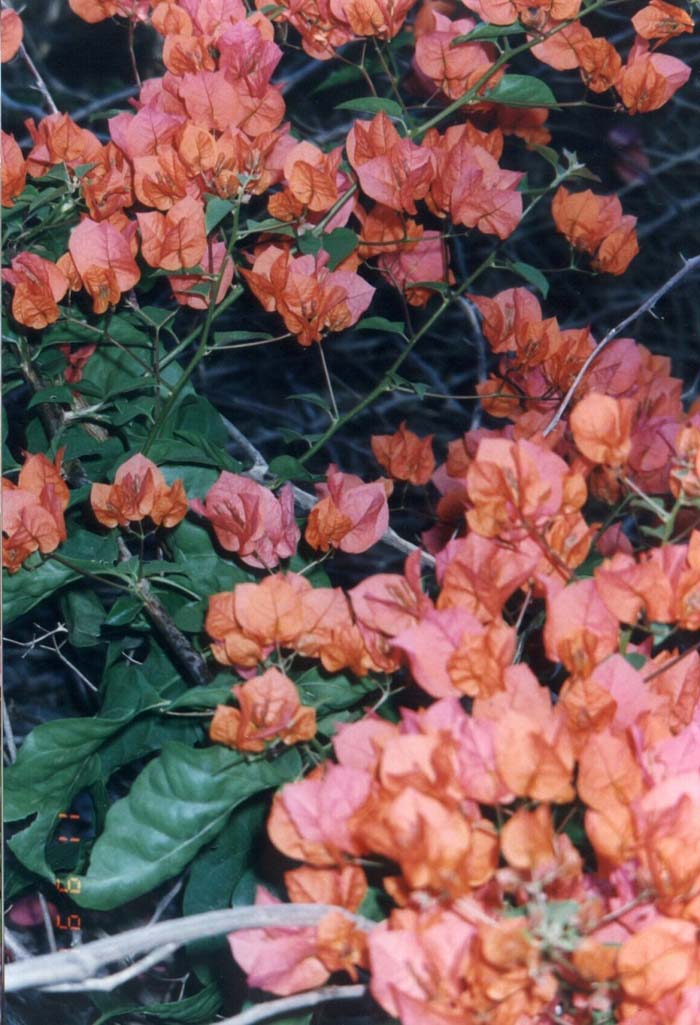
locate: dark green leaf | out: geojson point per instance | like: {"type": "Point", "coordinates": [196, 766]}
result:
{"type": "Point", "coordinates": [487, 31]}
{"type": "Point", "coordinates": [217, 209]}
{"type": "Point", "coordinates": [124, 611]}
{"type": "Point", "coordinates": [84, 614]}
{"type": "Point", "coordinates": [201, 1007]}
{"type": "Point", "coordinates": [288, 468]}
{"type": "Point", "coordinates": [532, 275]}
{"type": "Point", "coordinates": [140, 737]}
{"type": "Point", "coordinates": [58, 393]}
{"type": "Point", "coordinates": [179, 803]}
{"type": "Point", "coordinates": [192, 548]}
{"type": "Point", "coordinates": [29, 586]}
{"type": "Point", "coordinates": [231, 337]}
{"type": "Point", "coordinates": [636, 659]}
{"type": "Point", "coordinates": [391, 327]}
{"type": "Point", "coordinates": [522, 91]}
{"type": "Point", "coordinates": [372, 105]}
{"type": "Point", "coordinates": [339, 243]}
{"type": "Point", "coordinates": [204, 697]}
{"type": "Point", "coordinates": [309, 244]}
{"type": "Point", "coordinates": [315, 400]}
{"type": "Point", "coordinates": [331, 694]}
{"type": "Point", "coordinates": [549, 154]}
{"type": "Point", "coordinates": [217, 870]}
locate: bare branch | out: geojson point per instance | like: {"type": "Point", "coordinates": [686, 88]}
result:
{"type": "Point", "coordinates": [107, 983]}
{"type": "Point", "coordinates": [7, 733]}
{"type": "Point", "coordinates": [646, 306]}
{"type": "Point", "coordinates": [304, 500]}
{"type": "Point", "coordinates": [300, 1001]}
{"type": "Point", "coordinates": [81, 963]}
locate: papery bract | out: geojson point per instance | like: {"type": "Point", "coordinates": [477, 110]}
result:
{"type": "Point", "coordinates": [215, 282]}
{"type": "Point", "coordinates": [391, 170]}
{"type": "Point", "coordinates": [139, 490]}
{"type": "Point", "coordinates": [350, 515]}
{"type": "Point", "coordinates": [14, 169]}
{"type": "Point", "coordinates": [404, 455]}
{"type": "Point", "coordinates": [269, 709]}
{"type": "Point", "coordinates": [103, 259]}
{"type": "Point", "coordinates": [176, 239]}
{"type": "Point", "coordinates": [38, 286]}
{"type": "Point", "coordinates": [248, 519]}
{"type": "Point", "coordinates": [11, 32]}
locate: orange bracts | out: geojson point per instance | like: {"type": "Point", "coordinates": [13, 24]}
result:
{"type": "Point", "coordinates": [596, 225]}
{"type": "Point", "coordinates": [310, 298]}
{"type": "Point", "coordinates": [38, 286]}
{"type": "Point", "coordinates": [350, 515]}
{"type": "Point", "coordinates": [139, 491]}
{"type": "Point", "coordinates": [268, 709]}
{"type": "Point", "coordinates": [32, 510]}
{"type": "Point", "coordinates": [404, 455]}
{"type": "Point", "coordinates": [248, 519]}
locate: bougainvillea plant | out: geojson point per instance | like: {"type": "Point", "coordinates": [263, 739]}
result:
{"type": "Point", "coordinates": [464, 789]}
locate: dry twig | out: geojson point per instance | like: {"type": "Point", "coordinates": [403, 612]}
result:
{"type": "Point", "coordinates": [70, 969]}
{"type": "Point", "coordinates": [645, 307]}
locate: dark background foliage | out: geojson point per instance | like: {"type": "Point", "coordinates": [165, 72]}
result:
{"type": "Point", "coordinates": [650, 160]}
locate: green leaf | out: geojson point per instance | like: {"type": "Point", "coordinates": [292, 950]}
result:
{"type": "Point", "coordinates": [201, 1007]}
{"type": "Point", "coordinates": [315, 400]}
{"type": "Point", "coordinates": [58, 393]}
{"type": "Point", "coordinates": [231, 337]}
{"type": "Point", "coordinates": [548, 154]}
{"type": "Point", "coordinates": [372, 105]}
{"type": "Point", "coordinates": [391, 327]}
{"type": "Point", "coordinates": [217, 209]}
{"type": "Point", "coordinates": [339, 243]}
{"type": "Point", "coordinates": [332, 694]}
{"type": "Point", "coordinates": [288, 468]}
{"type": "Point", "coordinates": [217, 870]}
{"type": "Point", "coordinates": [192, 549]}
{"type": "Point", "coordinates": [532, 275]}
{"type": "Point", "coordinates": [190, 617]}
{"type": "Point", "coordinates": [58, 760]}
{"type": "Point", "coordinates": [204, 697]}
{"type": "Point", "coordinates": [155, 315]}
{"type": "Point", "coordinates": [339, 76]}
{"type": "Point", "coordinates": [32, 584]}
{"type": "Point", "coordinates": [124, 611]}
{"type": "Point", "coordinates": [309, 244]}
{"type": "Point", "coordinates": [148, 733]}
{"type": "Point", "coordinates": [84, 614]}
{"type": "Point", "coordinates": [179, 803]}
{"type": "Point", "coordinates": [487, 31]}
{"type": "Point", "coordinates": [636, 659]}
{"type": "Point", "coordinates": [521, 91]}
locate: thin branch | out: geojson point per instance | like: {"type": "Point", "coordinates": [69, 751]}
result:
{"type": "Point", "coordinates": [646, 306]}
{"type": "Point", "coordinates": [260, 466]}
{"type": "Point", "coordinates": [15, 945]}
{"type": "Point", "coordinates": [300, 1001]}
{"type": "Point", "coordinates": [7, 733]}
{"type": "Point", "coordinates": [107, 983]}
{"type": "Point", "coordinates": [48, 924]}
{"type": "Point", "coordinates": [81, 963]}
{"type": "Point", "coordinates": [39, 81]}
{"type": "Point", "coordinates": [304, 500]}
{"type": "Point", "coordinates": [329, 384]}
{"type": "Point", "coordinates": [164, 902]}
